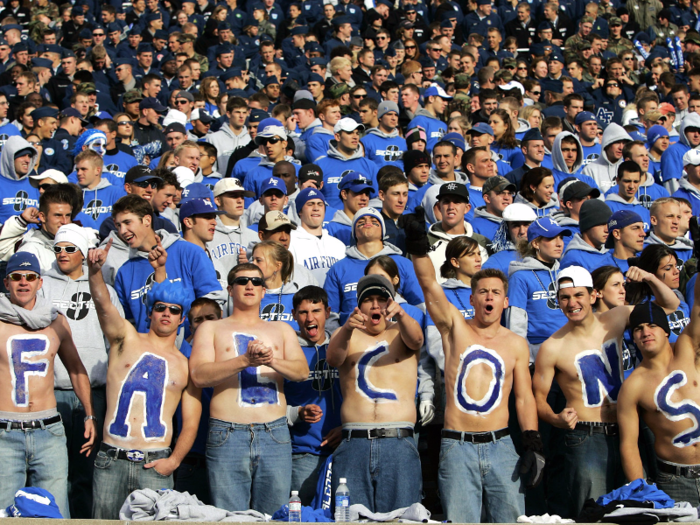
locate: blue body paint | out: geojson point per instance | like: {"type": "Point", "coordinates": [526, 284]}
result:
{"type": "Point", "coordinates": [477, 354]}
{"type": "Point", "coordinates": [600, 374]}
{"type": "Point", "coordinates": [362, 383]}
{"type": "Point", "coordinates": [686, 409]}
{"type": "Point", "coordinates": [147, 378]}
{"type": "Point", "coordinates": [254, 390]}
{"type": "Point", "coordinates": [19, 349]}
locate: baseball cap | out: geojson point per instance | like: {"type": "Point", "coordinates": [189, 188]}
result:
{"type": "Point", "coordinates": [575, 189]}
{"type": "Point", "coordinates": [435, 91]}
{"type": "Point", "coordinates": [270, 127]}
{"type": "Point", "coordinates": [532, 134]}
{"type": "Point", "coordinates": [152, 103]}
{"type": "Point", "coordinates": [44, 112]}
{"type": "Point", "coordinates": [691, 157]}
{"type": "Point", "coordinates": [200, 114]}
{"type": "Point", "coordinates": [276, 219]}
{"type": "Point", "coordinates": [186, 95]}
{"type": "Point", "coordinates": [547, 228]}
{"type": "Point", "coordinates": [584, 116]}
{"type": "Point", "coordinates": [387, 107]}
{"type": "Point", "coordinates": [131, 96]}
{"type": "Point", "coordinates": [374, 284]}
{"type": "Point", "coordinates": [257, 115]}
{"type": "Point", "coordinates": [356, 182]}
{"type": "Point", "coordinates": [455, 189]}
{"type": "Point", "coordinates": [25, 261]}
{"type": "Point", "coordinates": [306, 195]}
{"type": "Point", "coordinates": [231, 184]}
{"type": "Point", "coordinates": [481, 128]}
{"type": "Point", "coordinates": [519, 212]}
{"type": "Point", "coordinates": [195, 190]}
{"type": "Point", "coordinates": [139, 174]}
{"type": "Point", "coordinates": [623, 218]}
{"type": "Point", "coordinates": [273, 183]}
{"type": "Point", "coordinates": [498, 183]}
{"type": "Point", "coordinates": [310, 172]}
{"type": "Point", "coordinates": [579, 277]}
{"type": "Point", "coordinates": [72, 112]}
{"type": "Point", "coordinates": [197, 206]}
{"type": "Point", "coordinates": [175, 127]}
{"type": "Point", "coordinates": [348, 125]}
{"type": "Point", "coordinates": [665, 108]}
{"type": "Point", "coordinates": [52, 174]}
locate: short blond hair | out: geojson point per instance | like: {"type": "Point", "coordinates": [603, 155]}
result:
{"type": "Point", "coordinates": [339, 63]}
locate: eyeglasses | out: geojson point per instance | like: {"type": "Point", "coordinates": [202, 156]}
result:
{"type": "Point", "coordinates": [98, 34]}
{"type": "Point", "coordinates": [119, 69]}
{"type": "Point", "coordinates": [182, 101]}
{"type": "Point", "coordinates": [536, 92]}
{"type": "Point", "coordinates": [523, 68]}
{"type": "Point", "coordinates": [160, 308]}
{"type": "Point", "coordinates": [243, 281]}
{"type": "Point", "coordinates": [435, 49]}
{"type": "Point", "coordinates": [125, 123]}
{"type": "Point", "coordinates": [381, 38]}
{"type": "Point", "coordinates": [409, 47]}
{"type": "Point", "coordinates": [17, 277]}
{"type": "Point", "coordinates": [146, 184]}
{"type": "Point", "coordinates": [67, 249]}
{"type": "Point", "coordinates": [272, 140]}
{"type": "Point", "coordinates": [358, 97]}
{"type": "Point", "coordinates": [628, 58]}
{"type": "Point", "coordinates": [35, 144]}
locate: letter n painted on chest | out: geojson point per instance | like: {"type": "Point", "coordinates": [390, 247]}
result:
{"type": "Point", "coordinates": [146, 380]}
{"type": "Point", "coordinates": [254, 389]}
{"type": "Point", "coordinates": [20, 348]}
{"type": "Point", "coordinates": [686, 409]}
{"type": "Point", "coordinates": [600, 374]}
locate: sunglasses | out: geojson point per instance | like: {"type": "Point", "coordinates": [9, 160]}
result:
{"type": "Point", "coordinates": [145, 184]}
{"type": "Point", "coordinates": [381, 38]}
{"type": "Point", "coordinates": [410, 47]}
{"type": "Point", "coordinates": [17, 277]}
{"type": "Point", "coordinates": [125, 123]}
{"type": "Point", "coordinates": [536, 92]}
{"type": "Point", "coordinates": [67, 249]}
{"type": "Point", "coordinates": [35, 144]}
{"type": "Point", "coordinates": [97, 34]}
{"type": "Point", "coordinates": [271, 140]}
{"type": "Point", "coordinates": [613, 85]}
{"type": "Point", "coordinates": [182, 101]}
{"type": "Point", "coordinates": [45, 186]}
{"type": "Point", "coordinates": [120, 69]}
{"type": "Point", "coordinates": [160, 308]}
{"type": "Point", "coordinates": [358, 97]}
{"type": "Point", "coordinates": [243, 281]}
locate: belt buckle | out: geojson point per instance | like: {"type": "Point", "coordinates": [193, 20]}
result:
{"type": "Point", "coordinates": [27, 425]}
{"type": "Point", "coordinates": [135, 455]}
{"type": "Point", "coordinates": [694, 471]}
{"type": "Point", "coordinates": [378, 433]}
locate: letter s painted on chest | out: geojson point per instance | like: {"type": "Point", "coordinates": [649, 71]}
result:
{"type": "Point", "coordinates": [147, 379]}
{"type": "Point", "coordinates": [362, 369]}
{"type": "Point", "coordinates": [686, 409]}
{"type": "Point", "coordinates": [477, 354]}
{"type": "Point", "coordinates": [600, 374]}
{"type": "Point", "coordinates": [254, 390]}
{"type": "Point", "coordinates": [19, 349]}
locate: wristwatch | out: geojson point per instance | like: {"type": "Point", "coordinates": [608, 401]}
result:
{"type": "Point", "coordinates": [87, 418]}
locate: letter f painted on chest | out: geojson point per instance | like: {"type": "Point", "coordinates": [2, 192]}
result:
{"type": "Point", "coordinates": [600, 374]}
{"type": "Point", "coordinates": [19, 349]}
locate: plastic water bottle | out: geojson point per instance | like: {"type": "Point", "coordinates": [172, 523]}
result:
{"type": "Point", "coordinates": [342, 502]}
{"type": "Point", "coordinates": [295, 507]}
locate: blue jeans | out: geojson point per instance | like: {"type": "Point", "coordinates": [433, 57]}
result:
{"type": "Point", "coordinates": [80, 466]}
{"type": "Point", "coordinates": [679, 488]}
{"type": "Point", "coordinates": [593, 467]}
{"type": "Point", "coordinates": [383, 474]}
{"type": "Point", "coordinates": [192, 476]}
{"type": "Point", "coordinates": [114, 479]}
{"type": "Point", "coordinates": [305, 469]}
{"type": "Point", "coordinates": [36, 458]}
{"type": "Point", "coordinates": [250, 466]}
{"type": "Point", "coordinates": [470, 474]}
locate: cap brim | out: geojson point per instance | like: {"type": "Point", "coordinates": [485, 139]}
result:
{"type": "Point", "coordinates": [359, 188]}
{"type": "Point", "coordinates": [249, 194]}
{"type": "Point", "coordinates": [291, 225]}
{"type": "Point", "coordinates": [145, 178]}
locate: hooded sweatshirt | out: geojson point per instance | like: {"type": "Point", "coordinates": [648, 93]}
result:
{"type": "Point", "coordinates": [40, 243]}
{"type": "Point", "coordinates": [604, 172]}
{"type": "Point", "coordinates": [316, 254]}
{"type": "Point", "coordinates": [648, 191]}
{"type": "Point", "coordinates": [485, 223]}
{"type": "Point", "coordinates": [689, 192]}
{"type": "Point", "coordinates": [560, 171]}
{"type": "Point", "coordinates": [384, 149]}
{"type": "Point", "coordinates": [116, 164]}
{"type": "Point", "coordinates": [17, 193]}
{"type": "Point", "coordinates": [434, 127]}
{"type": "Point", "coordinates": [73, 299]}
{"type": "Point", "coordinates": [459, 294]}
{"type": "Point", "coordinates": [565, 221]}
{"type": "Point", "coordinates": [225, 140]}
{"type": "Point", "coordinates": [98, 201]}
{"type": "Point", "coordinates": [672, 158]}
{"type": "Point", "coordinates": [322, 388]}
{"type": "Point", "coordinates": [187, 263]}
{"type": "Point", "coordinates": [547, 209]}
{"type": "Point", "coordinates": [439, 241]}
{"type": "Point", "coordinates": [335, 165]}
{"type": "Point", "coordinates": [301, 146]}
{"type": "Point", "coordinates": [342, 278]}
{"type": "Point", "coordinates": [227, 242]}
{"type": "Point", "coordinates": [276, 304]}
{"type": "Point", "coordinates": [617, 203]}
{"type": "Point", "coordinates": [533, 310]}
{"type": "Point", "coordinates": [117, 256]}
{"type": "Point", "coordinates": [416, 197]}
{"type": "Point", "coordinates": [317, 142]}
{"type": "Point", "coordinates": [262, 172]}
{"type": "Point", "coordinates": [682, 246]}
{"type": "Point", "coordinates": [580, 253]}
{"type": "Point", "coordinates": [340, 227]}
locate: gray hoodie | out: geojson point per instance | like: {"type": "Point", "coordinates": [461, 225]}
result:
{"type": "Point", "coordinates": [681, 243]}
{"type": "Point", "coordinates": [434, 178]}
{"type": "Point", "coordinates": [481, 212]}
{"type": "Point", "coordinates": [7, 159]}
{"type": "Point", "coordinates": [558, 158]}
{"type": "Point", "coordinates": [439, 241]}
{"type": "Point", "coordinates": [604, 172]}
{"type": "Point", "coordinates": [73, 299]}
{"type": "Point", "coordinates": [333, 152]}
{"type": "Point", "coordinates": [380, 133]}
{"type": "Point", "coordinates": [389, 249]}
{"type": "Point", "coordinates": [341, 217]}
{"type": "Point", "coordinates": [546, 210]}
{"type": "Point", "coordinates": [577, 243]}
{"type": "Point", "coordinates": [562, 219]}
{"type": "Point", "coordinates": [226, 141]}
{"type": "Point", "coordinates": [117, 256]}
{"type": "Point", "coordinates": [40, 243]}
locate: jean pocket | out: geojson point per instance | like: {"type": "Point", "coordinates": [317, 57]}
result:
{"type": "Point", "coordinates": [217, 436]}
{"type": "Point", "coordinates": [103, 460]}
{"type": "Point", "coordinates": [159, 474]}
{"type": "Point", "coordinates": [57, 429]}
{"type": "Point", "coordinates": [575, 438]}
{"type": "Point", "coordinates": [280, 435]}
{"type": "Point", "coordinates": [446, 445]}
{"type": "Point", "coordinates": [411, 442]}
{"type": "Point", "coordinates": [663, 477]}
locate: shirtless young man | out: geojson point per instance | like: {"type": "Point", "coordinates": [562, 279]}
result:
{"type": "Point", "coordinates": [246, 359]}
{"type": "Point", "coordinates": [585, 358]}
{"type": "Point", "coordinates": [484, 361]}
{"type": "Point", "coordinates": [376, 353]}
{"type": "Point", "coordinates": [33, 441]}
{"type": "Point", "coordinates": [147, 378]}
{"type": "Point", "coordinates": [664, 390]}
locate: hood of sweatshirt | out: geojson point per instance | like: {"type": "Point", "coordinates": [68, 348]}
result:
{"type": "Point", "coordinates": [531, 263]}
{"type": "Point", "coordinates": [692, 120]}
{"type": "Point", "coordinates": [104, 183]}
{"type": "Point", "coordinates": [523, 126]}
{"type": "Point", "coordinates": [341, 217]}
{"type": "Point", "coordinates": [380, 133]}
{"type": "Point", "coordinates": [117, 243]}
{"type": "Point", "coordinates": [562, 219]}
{"type": "Point", "coordinates": [681, 243]}
{"type": "Point", "coordinates": [317, 122]}
{"type": "Point", "coordinates": [265, 161]}
{"type": "Point", "coordinates": [7, 159]}
{"type": "Point", "coordinates": [166, 239]}
{"type": "Point", "coordinates": [558, 158]}
{"type": "Point", "coordinates": [614, 197]}
{"type": "Point", "coordinates": [454, 283]}
{"type": "Point", "coordinates": [481, 212]}
{"type": "Point", "coordinates": [422, 112]}
{"type": "Point", "coordinates": [306, 342]}
{"type": "Point", "coordinates": [437, 231]}
{"type": "Point", "coordinates": [687, 186]}
{"type": "Point", "coordinates": [433, 178]}
{"type": "Point", "coordinates": [613, 133]}
{"type": "Point", "coordinates": [57, 274]}
{"type": "Point", "coordinates": [577, 243]}
{"type": "Point", "coordinates": [389, 249]}
{"type": "Point", "coordinates": [553, 203]}
{"type": "Point", "coordinates": [333, 152]}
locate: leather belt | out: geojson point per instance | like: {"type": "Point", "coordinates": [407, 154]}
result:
{"type": "Point", "coordinates": [135, 456]}
{"type": "Point", "coordinates": [691, 471]}
{"type": "Point", "coordinates": [594, 427]}
{"type": "Point", "coordinates": [30, 425]}
{"type": "Point", "coordinates": [476, 437]}
{"type": "Point", "coordinates": [378, 433]}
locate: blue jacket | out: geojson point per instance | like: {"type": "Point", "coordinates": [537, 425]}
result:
{"type": "Point", "coordinates": [186, 263]}
{"type": "Point", "coordinates": [334, 167]}
{"type": "Point", "coordinates": [262, 172]}
{"type": "Point", "coordinates": [672, 158]}
{"type": "Point", "coordinates": [580, 253]}
{"type": "Point", "coordinates": [317, 140]}
{"type": "Point", "coordinates": [616, 203]}
{"type": "Point", "coordinates": [689, 192]}
{"type": "Point", "coordinates": [484, 223]}
{"type": "Point", "coordinates": [383, 149]}
{"type": "Point", "coordinates": [277, 305]}
{"type": "Point", "coordinates": [6, 131]}
{"type": "Point", "coordinates": [116, 164]}
{"type": "Point", "coordinates": [434, 127]}
{"type": "Point", "coordinates": [501, 260]}
{"type": "Point", "coordinates": [98, 202]}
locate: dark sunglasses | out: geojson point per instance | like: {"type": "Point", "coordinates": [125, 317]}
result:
{"type": "Point", "coordinates": [45, 186]}
{"type": "Point", "coordinates": [146, 184]}
{"type": "Point", "coordinates": [243, 281]}
{"type": "Point", "coordinates": [120, 69]}
{"type": "Point", "coordinates": [125, 123]}
{"type": "Point", "coordinates": [17, 277]}
{"type": "Point", "coordinates": [182, 101]}
{"type": "Point", "coordinates": [97, 34]}
{"type": "Point", "coordinates": [160, 308]}
{"type": "Point", "coordinates": [613, 85]}
{"type": "Point", "coordinates": [536, 92]}
{"type": "Point", "coordinates": [271, 140]}
{"type": "Point", "coordinates": [410, 47]}
{"type": "Point", "coordinates": [67, 249]}
{"type": "Point", "coordinates": [358, 97]}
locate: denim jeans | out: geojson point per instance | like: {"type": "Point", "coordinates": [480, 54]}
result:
{"type": "Point", "coordinates": [679, 488]}
{"type": "Point", "coordinates": [36, 458]}
{"type": "Point", "coordinates": [383, 474]}
{"type": "Point", "coordinates": [80, 466]}
{"type": "Point", "coordinates": [192, 476]}
{"type": "Point", "coordinates": [593, 467]}
{"type": "Point", "coordinates": [305, 469]}
{"type": "Point", "coordinates": [470, 474]}
{"type": "Point", "coordinates": [250, 466]}
{"type": "Point", "coordinates": [114, 479]}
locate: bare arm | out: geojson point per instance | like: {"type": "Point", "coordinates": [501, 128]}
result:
{"type": "Point", "coordinates": [692, 331]}
{"type": "Point", "coordinates": [439, 308]}
{"type": "Point", "coordinates": [157, 257]}
{"type": "Point", "coordinates": [410, 331]}
{"type": "Point", "coordinates": [525, 405]}
{"type": "Point", "coordinates": [338, 346]}
{"type": "Point", "coordinates": [294, 366]}
{"type": "Point", "coordinates": [664, 296]}
{"type": "Point", "coordinates": [542, 383]}
{"type": "Point", "coordinates": [628, 419]}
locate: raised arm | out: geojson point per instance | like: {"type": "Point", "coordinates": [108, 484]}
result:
{"type": "Point", "coordinates": [113, 325]}
{"type": "Point", "coordinates": [338, 346]}
{"type": "Point", "coordinates": [542, 383]}
{"type": "Point", "coordinates": [628, 420]}
{"type": "Point", "coordinates": [409, 329]}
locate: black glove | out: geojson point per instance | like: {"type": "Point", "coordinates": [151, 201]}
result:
{"type": "Point", "coordinates": [695, 235]}
{"type": "Point", "coordinates": [413, 224]}
{"type": "Point", "coordinates": [532, 459]}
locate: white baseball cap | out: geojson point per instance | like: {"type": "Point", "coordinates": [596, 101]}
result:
{"type": "Point", "coordinates": [347, 124]}
{"type": "Point", "coordinates": [579, 277]}
{"type": "Point", "coordinates": [519, 212]}
{"type": "Point", "coordinates": [230, 184]}
{"type": "Point", "coordinates": [54, 175]}
{"type": "Point", "coordinates": [691, 157]}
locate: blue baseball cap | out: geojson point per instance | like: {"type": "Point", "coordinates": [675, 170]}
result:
{"type": "Point", "coordinates": [622, 218]}
{"type": "Point", "coordinates": [481, 128]}
{"type": "Point", "coordinates": [532, 134]}
{"type": "Point", "coordinates": [273, 183]}
{"type": "Point", "coordinates": [306, 195]}
{"type": "Point", "coordinates": [545, 227]}
{"type": "Point", "coordinates": [584, 116]}
{"type": "Point", "coordinates": [256, 116]}
{"type": "Point", "coordinates": [456, 139]}
{"type": "Point", "coordinates": [654, 133]}
{"type": "Point", "coordinates": [315, 77]}
{"type": "Point", "coordinates": [152, 103]}
{"type": "Point", "coordinates": [356, 182]}
{"type": "Point", "coordinates": [196, 190]}
{"type": "Point", "coordinates": [198, 206]}
{"type": "Point", "coordinates": [271, 80]}
{"type": "Point", "coordinates": [44, 112]}
{"type": "Point", "coordinates": [223, 49]}
{"type": "Point", "coordinates": [435, 91]}
{"type": "Point", "coordinates": [42, 62]}
{"type": "Point", "coordinates": [23, 261]}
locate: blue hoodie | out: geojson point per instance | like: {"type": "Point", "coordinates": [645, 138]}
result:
{"type": "Point", "coordinates": [648, 192]}
{"type": "Point", "coordinates": [186, 263]}
{"type": "Point", "coordinates": [434, 127]}
{"type": "Point", "coordinates": [116, 165]}
{"type": "Point", "coordinates": [342, 278]}
{"type": "Point", "coordinates": [245, 166]}
{"type": "Point", "coordinates": [689, 192]}
{"type": "Point", "coordinates": [317, 142]}
{"type": "Point", "coordinates": [672, 158]}
{"type": "Point", "coordinates": [262, 172]}
{"type": "Point", "coordinates": [617, 203]}
{"type": "Point", "coordinates": [511, 157]}
{"type": "Point", "coordinates": [322, 388]}
{"type": "Point", "coordinates": [276, 305]}
{"type": "Point", "coordinates": [17, 193]}
{"type": "Point", "coordinates": [98, 202]}
{"type": "Point", "coordinates": [384, 149]}
{"type": "Point", "coordinates": [335, 165]}
{"type": "Point", "coordinates": [580, 253]}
